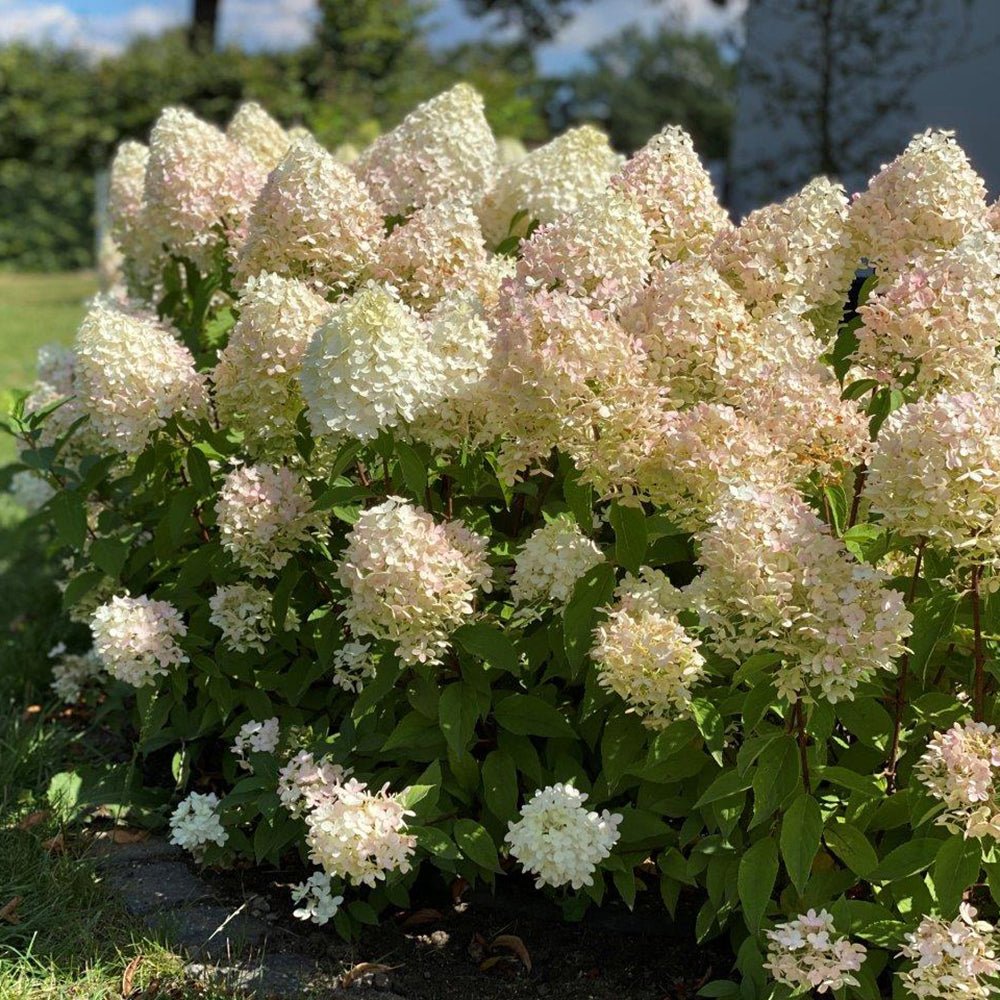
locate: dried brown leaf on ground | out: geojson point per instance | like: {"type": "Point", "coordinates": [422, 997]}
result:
{"type": "Point", "coordinates": [363, 969]}
{"type": "Point", "coordinates": [8, 912]}
{"type": "Point", "coordinates": [33, 819]}
{"type": "Point", "coordinates": [55, 845]}
{"type": "Point", "coordinates": [128, 835]}
{"type": "Point", "coordinates": [129, 975]}
{"type": "Point", "coordinates": [420, 917]}
{"type": "Point", "coordinates": [513, 943]}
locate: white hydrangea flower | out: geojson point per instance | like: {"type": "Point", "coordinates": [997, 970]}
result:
{"type": "Point", "coordinates": [265, 514]}
{"type": "Point", "coordinates": [133, 375]}
{"type": "Point", "coordinates": [257, 132]}
{"type": "Point", "coordinates": [442, 149]}
{"type": "Point", "coordinates": [352, 666]}
{"type": "Point", "coordinates": [243, 613]}
{"type": "Point", "coordinates": [954, 960]}
{"type": "Point", "coordinates": [806, 954]}
{"type": "Point", "coordinates": [256, 378]}
{"type": "Point", "coordinates": [318, 903]}
{"type": "Point", "coordinates": [409, 579]}
{"type": "Point", "coordinates": [558, 840]}
{"type": "Point", "coordinates": [135, 638]}
{"type": "Point", "coordinates": [71, 672]}
{"type": "Point", "coordinates": [643, 653]}
{"type": "Point", "coordinates": [30, 490]}
{"type": "Point", "coordinates": [195, 823]}
{"type": "Point", "coordinates": [550, 181]}
{"type": "Point", "coordinates": [256, 737]}
{"type": "Point", "coordinates": [303, 780]}
{"type": "Point", "coordinates": [369, 366]}
{"type": "Point", "coordinates": [356, 834]}
{"type": "Point", "coordinates": [551, 561]}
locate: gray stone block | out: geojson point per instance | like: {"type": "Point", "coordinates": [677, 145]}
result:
{"type": "Point", "coordinates": [159, 885]}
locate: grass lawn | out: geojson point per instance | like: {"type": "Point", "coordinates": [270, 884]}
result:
{"type": "Point", "coordinates": [61, 935]}
{"type": "Point", "coordinates": [35, 309]}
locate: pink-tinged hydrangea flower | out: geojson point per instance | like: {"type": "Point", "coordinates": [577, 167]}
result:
{"type": "Point", "coordinates": [316, 900]}
{"type": "Point", "coordinates": [410, 580]}
{"type": "Point", "coordinates": [807, 954]}
{"type": "Point", "coordinates": [243, 614]}
{"type": "Point", "coordinates": [692, 457]}
{"type": "Point", "coordinates": [643, 653]}
{"type": "Point", "coordinates": [356, 834]}
{"type": "Point", "coordinates": [258, 133]}
{"type": "Point", "coordinates": [551, 561]}
{"type": "Point", "coordinates": [256, 737]}
{"type": "Point", "coordinates": [256, 379]}
{"type": "Point", "coordinates": [195, 823]}
{"type": "Point", "coordinates": [126, 205]}
{"type": "Point", "coordinates": [599, 253]}
{"type": "Point", "coordinates": [71, 672]}
{"type": "Point", "coordinates": [954, 960]}
{"type": "Point", "coordinates": [776, 580]}
{"type": "Point", "coordinates": [132, 375]}
{"type": "Point", "coordinates": [694, 330]}
{"type": "Point", "coordinates": [303, 781]}
{"type": "Point", "coordinates": [556, 363]}
{"type": "Point", "coordinates": [136, 638]}
{"type": "Point", "coordinates": [265, 514]}
{"type": "Point", "coordinates": [312, 221]}
{"type": "Point", "coordinates": [935, 327]}
{"type": "Point", "coordinates": [443, 149]}
{"type": "Point", "coordinates": [797, 252]}
{"type": "Point", "coordinates": [919, 205]}
{"type": "Point", "coordinates": [935, 474]}
{"type": "Point", "coordinates": [557, 840]}
{"type": "Point", "coordinates": [199, 187]}
{"type": "Point", "coordinates": [368, 367]}
{"type": "Point", "coordinates": [56, 382]}
{"type": "Point", "coordinates": [960, 768]}
{"type": "Point", "coordinates": [550, 181]}
{"type": "Point", "coordinates": [438, 250]}
{"type": "Point", "coordinates": [674, 192]}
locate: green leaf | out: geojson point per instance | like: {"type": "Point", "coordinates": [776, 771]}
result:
{"type": "Point", "coordinates": [775, 776]}
{"type": "Point", "coordinates": [711, 726]}
{"type": "Point", "coordinates": [490, 644]}
{"type": "Point", "coordinates": [64, 794]}
{"type": "Point", "coordinates": [933, 618]}
{"type": "Point", "coordinates": [500, 788]}
{"type": "Point", "coordinates": [580, 500]}
{"type": "Point", "coordinates": [199, 471]}
{"type": "Point", "coordinates": [70, 518]}
{"type": "Point", "coordinates": [907, 859]}
{"type": "Point", "coordinates": [755, 881]}
{"type": "Point", "coordinates": [725, 786]}
{"type": "Point", "coordinates": [956, 867]}
{"type": "Point", "coordinates": [80, 586]}
{"type": "Point", "coordinates": [109, 554]}
{"type": "Point", "coordinates": [476, 844]}
{"type": "Point", "coordinates": [414, 470]}
{"type": "Point", "coordinates": [526, 715]}
{"type": "Point", "coordinates": [801, 829]}
{"type": "Point", "coordinates": [836, 500]}
{"type": "Point", "coordinates": [457, 713]}
{"type": "Point", "coordinates": [434, 841]}
{"type": "Point", "coordinates": [852, 847]}
{"type": "Point", "coordinates": [631, 538]}
{"type": "Point", "coordinates": [593, 590]}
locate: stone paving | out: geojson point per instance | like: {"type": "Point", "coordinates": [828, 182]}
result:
{"type": "Point", "coordinates": [222, 944]}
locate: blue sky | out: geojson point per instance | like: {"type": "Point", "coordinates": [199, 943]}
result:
{"type": "Point", "coordinates": [105, 25]}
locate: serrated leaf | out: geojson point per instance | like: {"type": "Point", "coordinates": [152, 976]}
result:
{"type": "Point", "coordinates": [526, 715]}
{"type": "Point", "coordinates": [801, 830]}
{"type": "Point", "coordinates": [755, 880]}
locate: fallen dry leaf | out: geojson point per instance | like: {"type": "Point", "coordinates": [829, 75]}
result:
{"type": "Point", "coordinates": [8, 912]}
{"type": "Point", "coordinates": [33, 819]}
{"type": "Point", "coordinates": [513, 943]}
{"type": "Point", "coordinates": [55, 845]}
{"type": "Point", "coordinates": [128, 835]}
{"type": "Point", "coordinates": [363, 969]}
{"type": "Point", "coordinates": [129, 975]}
{"type": "Point", "coordinates": [488, 963]}
{"type": "Point", "coordinates": [420, 917]}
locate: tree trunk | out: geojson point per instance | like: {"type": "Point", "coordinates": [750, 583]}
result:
{"type": "Point", "coordinates": [204, 21]}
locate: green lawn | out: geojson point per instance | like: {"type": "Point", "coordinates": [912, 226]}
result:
{"type": "Point", "coordinates": [35, 309]}
{"type": "Point", "coordinates": [67, 938]}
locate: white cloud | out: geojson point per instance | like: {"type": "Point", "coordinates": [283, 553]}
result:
{"type": "Point", "coordinates": [267, 24]}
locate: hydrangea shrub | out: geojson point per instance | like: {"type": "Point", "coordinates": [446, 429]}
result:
{"type": "Point", "coordinates": [491, 515]}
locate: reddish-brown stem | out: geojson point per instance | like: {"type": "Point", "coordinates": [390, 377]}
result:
{"type": "Point", "coordinates": [978, 650]}
{"type": "Point", "coordinates": [363, 476]}
{"type": "Point", "coordinates": [899, 701]}
{"type": "Point", "coordinates": [799, 718]}
{"type": "Point", "coordinates": [859, 488]}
